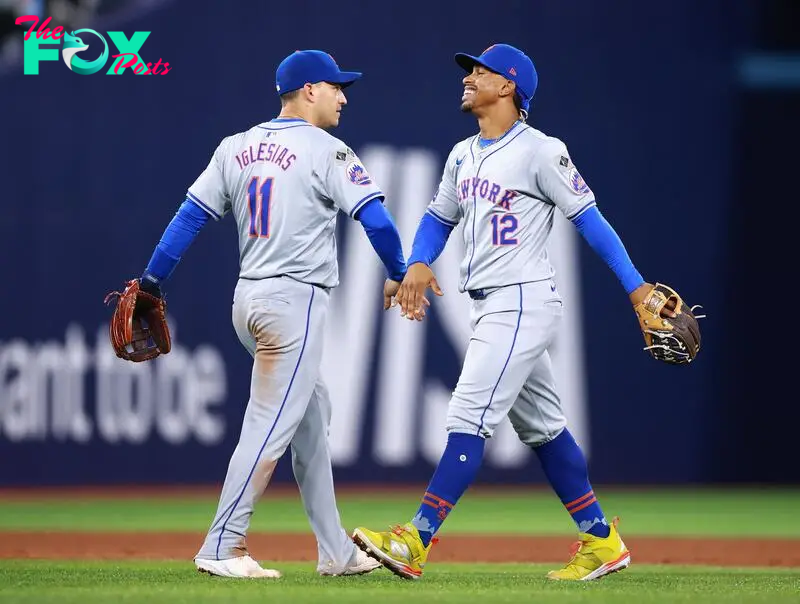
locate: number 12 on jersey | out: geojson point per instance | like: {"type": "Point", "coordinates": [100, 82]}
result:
{"type": "Point", "coordinates": [259, 199]}
{"type": "Point", "coordinates": [504, 228]}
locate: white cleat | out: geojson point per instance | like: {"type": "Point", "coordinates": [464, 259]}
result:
{"type": "Point", "coordinates": [243, 567]}
{"type": "Point", "coordinates": [362, 565]}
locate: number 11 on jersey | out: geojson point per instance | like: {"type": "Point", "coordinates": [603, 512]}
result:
{"type": "Point", "coordinates": [259, 198]}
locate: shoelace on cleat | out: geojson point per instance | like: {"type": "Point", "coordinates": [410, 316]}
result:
{"type": "Point", "coordinates": [399, 529]}
{"type": "Point", "coordinates": [576, 555]}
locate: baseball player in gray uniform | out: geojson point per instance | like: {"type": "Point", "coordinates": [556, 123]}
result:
{"type": "Point", "coordinates": [504, 184]}
{"type": "Point", "coordinates": [284, 181]}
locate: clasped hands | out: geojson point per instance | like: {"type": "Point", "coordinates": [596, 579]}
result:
{"type": "Point", "coordinates": [410, 294]}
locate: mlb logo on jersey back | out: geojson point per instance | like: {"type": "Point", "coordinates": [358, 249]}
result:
{"type": "Point", "coordinates": [358, 174]}
{"type": "Point", "coordinates": [577, 183]}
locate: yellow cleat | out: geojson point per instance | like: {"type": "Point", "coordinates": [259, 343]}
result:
{"type": "Point", "coordinates": [400, 550]}
{"type": "Point", "coordinates": [595, 557]}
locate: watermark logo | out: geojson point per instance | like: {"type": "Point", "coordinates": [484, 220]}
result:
{"type": "Point", "coordinates": [73, 45]}
{"type": "Point", "coordinates": [38, 47]}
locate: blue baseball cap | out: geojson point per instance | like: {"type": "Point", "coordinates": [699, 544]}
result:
{"type": "Point", "coordinates": [510, 63]}
{"type": "Point", "coordinates": [309, 67]}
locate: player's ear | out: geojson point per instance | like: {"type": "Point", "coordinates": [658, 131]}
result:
{"type": "Point", "coordinates": [508, 88]}
{"type": "Point", "coordinates": [309, 92]}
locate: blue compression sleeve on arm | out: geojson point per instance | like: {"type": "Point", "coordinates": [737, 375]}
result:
{"type": "Point", "coordinates": [605, 241]}
{"type": "Point", "coordinates": [430, 240]}
{"type": "Point", "coordinates": [382, 234]}
{"type": "Point", "coordinates": [177, 238]}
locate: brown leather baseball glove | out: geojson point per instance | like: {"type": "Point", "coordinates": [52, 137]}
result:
{"type": "Point", "coordinates": [669, 326]}
{"type": "Point", "coordinates": [139, 322]}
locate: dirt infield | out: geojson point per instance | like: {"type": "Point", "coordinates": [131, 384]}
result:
{"type": "Point", "coordinates": [451, 548]}
{"type": "Point", "coordinates": [294, 547]}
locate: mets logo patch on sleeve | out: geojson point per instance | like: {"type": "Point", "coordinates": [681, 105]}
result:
{"type": "Point", "coordinates": [577, 183]}
{"type": "Point", "coordinates": [358, 174]}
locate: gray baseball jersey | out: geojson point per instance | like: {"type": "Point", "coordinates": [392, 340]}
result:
{"type": "Point", "coordinates": [506, 194]}
{"type": "Point", "coordinates": [285, 181]}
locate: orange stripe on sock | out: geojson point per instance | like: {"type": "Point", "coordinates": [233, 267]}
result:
{"type": "Point", "coordinates": [438, 500]}
{"type": "Point", "coordinates": [430, 503]}
{"type": "Point", "coordinates": [579, 499]}
{"type": "Point", "coordinates": [583, 505]}
{"type": "Point", "coordinates": [430, 499]}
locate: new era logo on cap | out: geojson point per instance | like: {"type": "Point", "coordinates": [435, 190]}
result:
{"type": "Point", "coordinates": [513, 71]}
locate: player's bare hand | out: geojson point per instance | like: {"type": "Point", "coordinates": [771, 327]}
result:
{"type": "Point", "coordinates": [390, 288]}
{"type": "Point", "coordinates": [638, 295]}
{"type": "Point", "coordinates": [411, 295]}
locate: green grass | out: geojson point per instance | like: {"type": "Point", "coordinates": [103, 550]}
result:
{"type": "Point", "coordinates": [175, 583]}
{"type": "Point", "coordinates": [770, 513]}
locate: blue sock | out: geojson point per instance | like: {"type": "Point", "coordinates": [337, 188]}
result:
{"type": "Point", "coordinates": [565, 467]}
{"type": "Point", "coordinates": [456, 470]}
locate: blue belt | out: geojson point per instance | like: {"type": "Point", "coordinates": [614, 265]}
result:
{"type": "Point", "coordinates": [479, 294]}
{"type": "Point", "coordinates": [483, 293]}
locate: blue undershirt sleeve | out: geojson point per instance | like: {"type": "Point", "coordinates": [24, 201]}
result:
{"type": "Point", "coordinates": [431, 237]}
{"type": "Point", "coordinates": [178, 236]}
{"type": "Point", "coordinates": [382, 234]}
{"type": "Point", "coordinates": [606, 243]}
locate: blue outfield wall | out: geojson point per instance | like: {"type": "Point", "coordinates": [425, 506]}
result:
{"type": "Point", "coordinates": [94, 167]}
